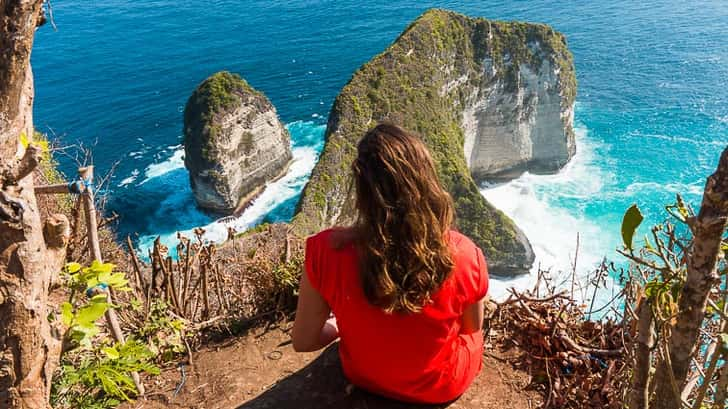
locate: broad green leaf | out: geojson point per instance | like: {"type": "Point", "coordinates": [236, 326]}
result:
{"type": "Point", "coordinates": [67, 313]}
{"type": "Point", "coordinates": [99, 268]}
{"type": "Point", "coordinates": [104, 277]}
{"type": "Point", "coordinates": [86, 328]}
{"type": "Point", "coordinates": [72, 268]}
{"type": "Point", "coordinates": [632, 219]}
{"type": "Point", "coordinates": [111, 352]}
{"type": "Point", "coordinates": [92, 282]}
{"type": "Point", "coordinates": [88, 314]}
{"type": "Point", "coordinates": [117, 280]}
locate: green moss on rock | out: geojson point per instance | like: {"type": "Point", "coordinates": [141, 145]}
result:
{"type": "Point", "coordinates": [215, 96]}
{"type": "Point", "coordinates": [405, 84]}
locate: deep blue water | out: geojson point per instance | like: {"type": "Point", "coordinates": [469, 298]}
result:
{"type": "Point", "coordinates": [652, 107]}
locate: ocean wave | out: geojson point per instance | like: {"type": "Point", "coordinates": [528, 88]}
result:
{"type": "Point", "coordinates": [176, 161]}
{"type": "Point", "coordinates": [637, 189]}
{"type": "Point", "coordinates": [532, 201]}
{"type": "Point", "coordinates": [130, 179]}
{"type": "Point", "coordinates": [307, 141]}
{"type": "Point", "coordinates": [677, 139]}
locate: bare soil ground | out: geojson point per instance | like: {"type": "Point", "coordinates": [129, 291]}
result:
{"type": "Point", "coordinates": [260, 370]}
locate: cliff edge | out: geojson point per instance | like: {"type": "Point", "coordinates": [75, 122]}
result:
{"type": "Point", "coordinates": [491, 99]}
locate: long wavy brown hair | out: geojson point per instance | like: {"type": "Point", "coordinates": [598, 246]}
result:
{"type": "Point", "coordinates": [404, 216]}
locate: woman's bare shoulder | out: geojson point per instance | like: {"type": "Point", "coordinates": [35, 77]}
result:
{"type": "Point", "coordinates": [336, 237]}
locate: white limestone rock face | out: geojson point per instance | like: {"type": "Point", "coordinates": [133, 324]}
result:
{"type": "Point", "coordinates": [514, 126]}
{"type": "Point", "coordinates": [234, 143]}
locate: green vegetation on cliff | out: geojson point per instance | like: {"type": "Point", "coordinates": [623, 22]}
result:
{"type": "Point", "coordinates": [422, 81]}
{"type": "Point", "coordinates": [218, 94]}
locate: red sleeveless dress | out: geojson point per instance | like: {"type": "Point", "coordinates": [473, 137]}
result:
{"type": "Point", "coordinates": [420, 357]}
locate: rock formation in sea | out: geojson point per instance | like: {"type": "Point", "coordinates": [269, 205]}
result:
{"type": "Point", "coordinates": [490, 98]}
{"type": "Point", "coordinates": [234, 142]}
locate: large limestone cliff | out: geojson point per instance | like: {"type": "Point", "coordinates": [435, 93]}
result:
{"type": "Point", "coordinates": [521, 114]}
{"type": "Point", "coordinates": [487, 97]}
{"type": "Point", "coordinates": [234, 142]}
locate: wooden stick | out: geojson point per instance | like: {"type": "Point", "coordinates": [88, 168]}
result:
{"type": "Point", "coordinates": [50, 189]}
{"type": "Point", "coordinates": [95, 248]}
{"type": "Point", "coordinates": [172, 285]}
{"type": "Point", "coordinates": [135, 263]}
{"type": "Point", "coordinates": [571, 344]}
{"type": "Point", "coordinates": [187, 274]}
{"type": "Point", "coordinates": [203, 270]}
{"type": "Point", "coordinates": [218, 287]}
{"type": "Point", "coordinates": [521, 297]}
{"type": "Point", "coordinates": [639, 394]}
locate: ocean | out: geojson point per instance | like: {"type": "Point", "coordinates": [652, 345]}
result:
{"type": "Point", "coordinates": [651, 112]}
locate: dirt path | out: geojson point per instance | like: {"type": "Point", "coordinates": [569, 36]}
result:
{"type": "Point", "coordinates": [261, 370]}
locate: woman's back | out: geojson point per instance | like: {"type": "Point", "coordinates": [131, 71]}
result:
{"type": "Point", "coordinates": [420, 357]}
{"type": "Point", "coordinates": [405, 289]}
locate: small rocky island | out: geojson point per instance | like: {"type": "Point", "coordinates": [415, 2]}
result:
{"type": "Point", "coordinates": [234, 143]}
{"type": "Point", "coordinates": [491, 99]}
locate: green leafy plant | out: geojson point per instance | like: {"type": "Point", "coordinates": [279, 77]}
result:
{"type": "Point", "coordinates": [95, 372]}
{"type": "Point", "coordinates": [660, 261]}
{"type": "Point", "coordinates": [164, 334]}
{"type": "Point", "coordinates": [287, 274]}
{"type": "Point", "coordinates": [81, 323]}
{"type": "Point", "coordinates": [655, 294]}
{"type": "Point", "coordinates": [99, 378]}
{"type": "Point", "coordinates": [98, 274]}
{"type": "Point", "coordinates": [79, 315]}
{"type": "Point", "coordinates": [41, 142]}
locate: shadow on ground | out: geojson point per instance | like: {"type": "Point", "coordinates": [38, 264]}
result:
{"type": "Point", "coordinates": [321, 384]}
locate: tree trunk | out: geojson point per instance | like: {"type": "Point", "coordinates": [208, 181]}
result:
{"type": "Point", "coordinates": [640, 391]}
{"type": "Point", "coordinates": [28, 350]}
{"type": "Point", "coordinates": [721, 391]}
{"type": "Point", "coordinates": [702, 276]}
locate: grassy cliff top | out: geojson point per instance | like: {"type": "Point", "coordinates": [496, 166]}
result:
{"type": "Point", "coordinates": [409, 83]}
{"type": "Point", "coordinates": [217, 95]}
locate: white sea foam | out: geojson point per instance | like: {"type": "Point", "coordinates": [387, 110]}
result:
{"type": "Point", "coordinates": [130, 179]}
{"type": "Point", "coordinates": [531, 201]}
{"type": "Point", "coordinates": [678, 139]}
{"type": "Point", "coordinates": [305, 154]}
{"type": "Point", "coordinates": [176, 161]}
{"type": "Point", "coordinates": [636, 189]}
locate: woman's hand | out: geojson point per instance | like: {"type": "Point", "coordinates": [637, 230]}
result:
{"type": "Point", "coordinates": [330, 331]}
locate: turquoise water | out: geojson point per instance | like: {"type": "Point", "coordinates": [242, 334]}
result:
{"type": "Point", "coordinates": [652, 108]}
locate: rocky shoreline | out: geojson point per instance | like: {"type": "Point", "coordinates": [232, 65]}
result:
{"type": "Point", "coordinates": [491, 99]}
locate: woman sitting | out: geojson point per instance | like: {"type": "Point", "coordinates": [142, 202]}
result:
{"type": "Point", "coordinates": [405, 289]}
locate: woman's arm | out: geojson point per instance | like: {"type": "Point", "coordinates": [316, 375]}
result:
{"type": "Point", "coordinates": [312, 329]}
{"type": "Point", "coordinates": [472, 320]}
